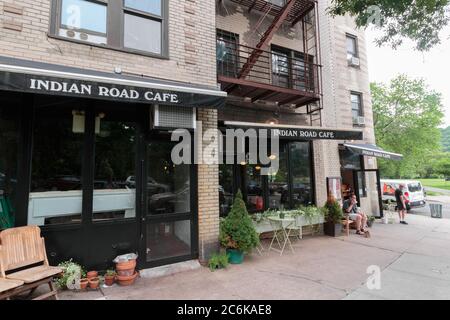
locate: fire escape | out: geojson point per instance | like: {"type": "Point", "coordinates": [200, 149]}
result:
{"type": "Point", "coordinates": [258, 74]}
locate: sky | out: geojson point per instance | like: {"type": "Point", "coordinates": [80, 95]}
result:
{"type": "Point", "coordinates": [434, 66]}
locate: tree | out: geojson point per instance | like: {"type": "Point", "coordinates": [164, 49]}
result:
{"type": "Point", "coordinates": [419, 20]}
{"type": "Point", "coordinates": [446, 139]}
{"type": "Point", "coordinates": [407, 115]}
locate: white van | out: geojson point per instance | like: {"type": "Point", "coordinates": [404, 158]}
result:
{"type": "Point", "coordinates": [413, 191]}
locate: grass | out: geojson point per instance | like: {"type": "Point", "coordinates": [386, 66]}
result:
{"type": "Point", "coordinates": [434, 194]}
{"type": "Point", "coordinates": [436, 183]}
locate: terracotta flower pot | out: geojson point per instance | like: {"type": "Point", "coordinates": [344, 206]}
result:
{"type": "Point", "coordinates": [94, 283]}
{"type": "Point", "coordinates": [127, 280]}
{"type": "Point", "coordinates": [83, 284]}
{"type": "Point", "coordinates": [92, 274]}
{"type": "Point", "coordinates": [127, 265]}
{"type": "Point", "coordinates": [109, 280]}
{"type": "Point", "coordinates": [126, 269]}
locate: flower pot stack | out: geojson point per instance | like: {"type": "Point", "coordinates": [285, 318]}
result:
{"type": "Point", "coordinates": [126, 269]}
{"type": "Point", "coordinates": [93, 280]}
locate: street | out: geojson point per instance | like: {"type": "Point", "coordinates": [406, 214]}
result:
{"type": "Point", "coordinates": [425, 211]}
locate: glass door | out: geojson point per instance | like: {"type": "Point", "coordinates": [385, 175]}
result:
{"type": "Point", "coordinates": [368, 191]}
{"type": "Point", "coordinates": [170, 229]}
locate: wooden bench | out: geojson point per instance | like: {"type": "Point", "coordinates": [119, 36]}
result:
{"type": "Point", "coordinates": [23, 263]}
{"type": "Point", "coordinates": [347, 223]}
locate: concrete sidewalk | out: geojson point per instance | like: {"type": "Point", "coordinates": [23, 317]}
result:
{"type": "Point", "coordinates": [414, 260]}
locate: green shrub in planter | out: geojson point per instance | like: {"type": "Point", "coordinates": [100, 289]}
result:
{"type": "Point", "coordinates": [218, 261]}
{"type": "Point", "coordinates": [237, 232]}
{"type": "Point", "coordinates": [333, 218]}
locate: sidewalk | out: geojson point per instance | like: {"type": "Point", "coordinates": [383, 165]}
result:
{"type": "Point", "coordinates": [414, 259]}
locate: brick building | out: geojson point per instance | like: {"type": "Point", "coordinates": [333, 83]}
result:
{"type": "Point", "coordinates": [91, 91]}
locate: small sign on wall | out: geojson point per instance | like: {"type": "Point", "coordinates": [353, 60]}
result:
{"type": "Point", "coordinates": [334, 188]}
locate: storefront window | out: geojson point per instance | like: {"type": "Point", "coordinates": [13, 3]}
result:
{"type": "Point", "coordinates": [9, 132]}
{"type": "Point", "coordinates": [168, 185]}
{"type": "Point", "coordinates": [226, 178]}
{"type": "Point", "coordinates": [56, 185]}
{"type": "Point", "coordinates": [254, 188]}
{"type": "Point", "coordinates": [114, 183]}
{"type": "Point", "coordinates": [301, 168]}
{"type": "Point", "coordinates": [278, 183]}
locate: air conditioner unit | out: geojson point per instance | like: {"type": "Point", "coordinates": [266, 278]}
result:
{"type": "Point", "coordinates": [174, 117]}
{"type": "Point", "coordinates": [353, 61]}
{"type": "Point", "coordinates": [360, 121]}
{"type": "Point", "coordinates": [82, 36]}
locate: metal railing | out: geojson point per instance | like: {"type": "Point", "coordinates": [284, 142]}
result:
{"type": "Point", "coordinates": [293, 70]}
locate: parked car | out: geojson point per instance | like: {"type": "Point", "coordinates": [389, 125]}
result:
{"type": "Point", "coordinates": [413, 192]}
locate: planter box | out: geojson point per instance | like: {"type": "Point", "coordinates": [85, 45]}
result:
{"type": "Point", "coordinates": [332, 229]}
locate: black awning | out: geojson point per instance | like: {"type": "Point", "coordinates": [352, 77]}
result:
{"type": "Point", "coordinates": [372, 150]}
{"type": "Point", "coordinates": [300, 133]}
{"type": "Point", "coordinates": [43, 78]}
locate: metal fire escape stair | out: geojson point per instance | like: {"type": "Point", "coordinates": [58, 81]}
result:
{"type": "Point", "coordinates": [266, 38]}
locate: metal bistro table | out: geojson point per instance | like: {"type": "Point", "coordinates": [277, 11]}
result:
{"type": "Point", "coordinates": [281, 233]}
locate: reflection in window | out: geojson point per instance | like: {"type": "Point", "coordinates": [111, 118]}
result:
{"type": "Point", "coordinates": [83, 20]}
{"type": "Point", "coordinates": [114, 184]}
{"type": "Point", "coordinates": [225, 188]}
{"type": "Point", "coordinates": [254, 188]}
{"type": "Point", "coordinates": [168, 185]}
{"type": "Point", "coordinates": [168, 239]}
{"type": "Point", "coordinates": [278, 183]}
{"type": "Point", "coordinates": [56, 195]}
{"type": "Point", "coordinates": [9, 133]}
{"type": "Point", "coordinates": [301, 173]}
{"type": "Point", "coordinates": [148, 6]}
{"type": "Point", "coordinates": [142, 34]}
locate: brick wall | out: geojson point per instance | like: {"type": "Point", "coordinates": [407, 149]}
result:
{"type": "Point", "coordinates": [208, 195]}
{"type": "Point", "coordinates": [24, 27]}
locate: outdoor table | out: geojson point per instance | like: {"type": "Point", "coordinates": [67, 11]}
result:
{"type": "Point", "coordinates": [281, 233]}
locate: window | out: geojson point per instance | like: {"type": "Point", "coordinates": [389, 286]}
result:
{"type": "Point", "coordinates": [143, 25]}
{"type": "Point", "coordinates": [280, 3]}
{"type": "Point", "coordinates": [114, 172]}
{"type": "Point", "coordinates": [9, 146]}
{"type": "Point", "coordinates": [292, 69]}
{"type": "Point", "coordinates": [352, 47]}
{"type": "Point", "coordinates": [227, 53]}
{"type": "Point", "coordinates": [131, 25]}
{"type": "Point", "coordinates": [58, 147]}
{"type": "Point", "coordinates": [357, 109]}
{"type": "Point", "coordinates": [302, 174]}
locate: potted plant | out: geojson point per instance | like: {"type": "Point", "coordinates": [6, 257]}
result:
{"type": "Point", "coordinates": [218, 261]}
{"type": "Point", "coordinates": [92, 274]}
{"type": "Point", "coordinates": [110, 276]}
{"type": "Point", "coordinates": [94, 282]}
{"type": "Point", "coordinates": [237, 231]}
{"type": "Point", "coordinates": [84, 283]}
{"type": "Point", "coordinates": [127, 280]}
{"type": "Point", "coordinates": [333, 218]}
{"type": "Point", "coordinates": [72, 276]}
{"type": "Point", "coordinates": [370, 221]}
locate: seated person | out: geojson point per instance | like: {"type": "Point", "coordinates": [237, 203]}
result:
{"type": "Point", "coordinates": [350, 207]}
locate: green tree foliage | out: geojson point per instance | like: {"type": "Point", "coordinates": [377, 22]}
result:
{"type": "Point", "coordinates": [407, 115]}
{"type": "Point", "coordinates": [418, 20]}
{"type": "Point", "coordinates": [446, 139]}
{"type": "Point", "coordinates": [237, 230]}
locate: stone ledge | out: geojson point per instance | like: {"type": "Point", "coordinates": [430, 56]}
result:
{"type": "Point", "coordinates": [170, 269]}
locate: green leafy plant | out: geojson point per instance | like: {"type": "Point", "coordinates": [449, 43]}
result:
{"type": "Point", "coordinates": [333, 213]}
{"type": "Point", "coordinates": [237, 230]}
{"type": "Point", "coordinates": [218, 261]}
{"type": "Point", "coordinates": [110, 273]}
{"type": "Point", "coordinates": [72, 272]}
